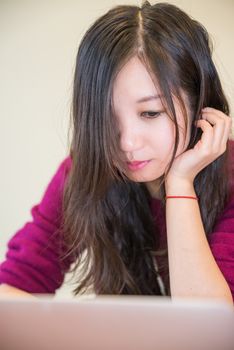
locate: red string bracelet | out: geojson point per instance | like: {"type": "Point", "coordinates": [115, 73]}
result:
{"type": "Point", "coordinates": [189, 197]}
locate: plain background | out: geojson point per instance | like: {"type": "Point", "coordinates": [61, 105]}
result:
{"type": "Point", "coordinates": [39, 41]}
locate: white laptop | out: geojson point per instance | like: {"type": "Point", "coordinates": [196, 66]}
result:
{"type": "Point", "coordinates": [115, 323]}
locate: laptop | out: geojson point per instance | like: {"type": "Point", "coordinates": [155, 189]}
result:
{"type": "Point", "coordinates": [115, 323]}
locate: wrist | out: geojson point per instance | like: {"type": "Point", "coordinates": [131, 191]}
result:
{"type": "Point", "coordinates": [178, 187]}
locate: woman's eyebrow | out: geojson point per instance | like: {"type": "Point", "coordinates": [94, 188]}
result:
{"type": "Point", "coordinates": [148, 98]}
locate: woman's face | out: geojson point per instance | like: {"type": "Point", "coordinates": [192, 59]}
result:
{"type": "Point", "coordinates": [146, 131]}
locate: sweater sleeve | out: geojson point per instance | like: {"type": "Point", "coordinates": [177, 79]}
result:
{"type": "Point", "coordinates": [33, 259]}
{"type": "Point", "coordinates": [221, 240]}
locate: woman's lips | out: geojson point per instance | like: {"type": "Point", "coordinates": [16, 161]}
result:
{"type": "Point", "coordinates": [137, 164]}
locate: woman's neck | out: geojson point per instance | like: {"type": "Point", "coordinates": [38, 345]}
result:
{"type": "Point", "coordinates": [155, 189]}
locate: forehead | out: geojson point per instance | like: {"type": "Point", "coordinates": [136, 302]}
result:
{"type": "Point", "coordinates": [134, 81]}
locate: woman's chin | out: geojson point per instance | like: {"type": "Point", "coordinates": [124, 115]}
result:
{"type": "Point", "coordinates": [145, 179]}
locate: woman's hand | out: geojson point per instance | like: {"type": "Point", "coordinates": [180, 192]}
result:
{"type": "Point", "coordinates": [7, 291]}
{"type": "Point", "coordinates": [216, 127]}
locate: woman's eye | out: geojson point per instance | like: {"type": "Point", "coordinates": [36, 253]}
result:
{"type": "Point", "coordinates": [150, 114]}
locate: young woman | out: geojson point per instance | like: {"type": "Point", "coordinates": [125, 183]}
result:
{"type": "Point", "coordinates": [144, 203]}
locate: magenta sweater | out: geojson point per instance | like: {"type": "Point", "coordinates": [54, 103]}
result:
{"type": "Point", "coordinates": [32, 260]}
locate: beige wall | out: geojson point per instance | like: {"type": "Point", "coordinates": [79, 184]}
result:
{"type": "Point", "coordinates": [38, 43]}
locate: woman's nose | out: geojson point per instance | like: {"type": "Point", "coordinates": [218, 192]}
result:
{"type": "Point", "coordinates": [130, 139]}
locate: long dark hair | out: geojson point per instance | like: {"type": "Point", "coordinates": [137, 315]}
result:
{"type": "Point", "coordinates": [108, 227]}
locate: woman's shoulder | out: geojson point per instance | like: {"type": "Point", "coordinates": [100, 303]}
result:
{"type": "Point", "coordinates": [51, 202]}
{"type": "Point", "coordinates": [65, 165]}
{"type": "Point", "coordinates": [231, 149]}
{"type": "Point", "coordinates": [61, 172]}
{"type": "Point", "coordinates": [225, 222]}
{"type": "Point", "coordinates": [230, 168]}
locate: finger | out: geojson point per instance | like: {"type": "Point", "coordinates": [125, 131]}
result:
{"type": "Point", "coordinates": [221, 126]}
{"type": "Point", "coordinates": [219, 114]}
{"type": "Point", "coordinates": [231, 128]}
{"type": "Point", "coordinates": [214, 111]}
{"type": "Point", "coordinates": [213, 117]}
{"type": "Point", "coordinates": [206, 145]}
{"type": "Point", "coordinates": [228, 131]}
{"type": "Point", "coordinates": [227, 119]}
{"type": "Point", "coordinates": [207, 136]}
